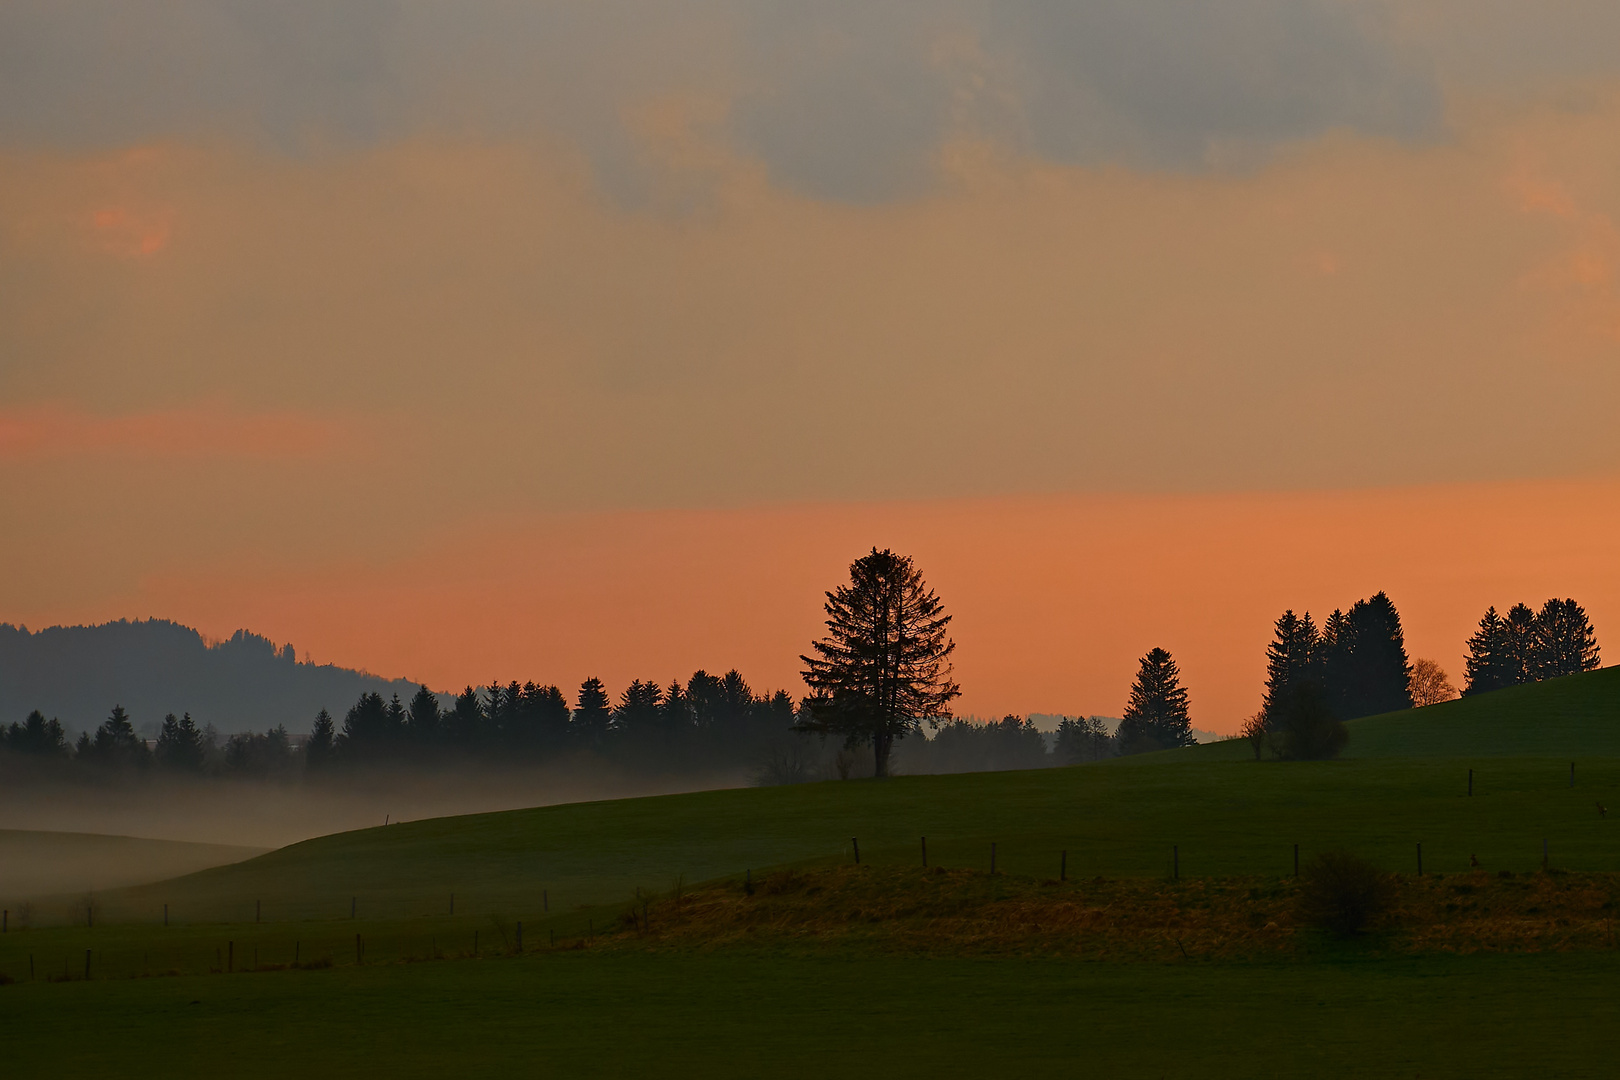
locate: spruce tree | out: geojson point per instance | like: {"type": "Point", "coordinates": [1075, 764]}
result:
{"type": "Point", "coordinates": [592, 714]}
{"type": "Point", "coordinates": [318, 747]}
{"type": "Point", "coordinates": [179, 745]}
{"type": "Point", "coordinates": [1156, 716]}
{"type": "Point", "coordinates": [1364, 669]}
{"type": "Point", "coordinates": [1489, 666]}
{"type": "Point", "coordinates": [1565, 643]}
{"type": "Point", "coordinates": [1520, 646]}
{"type": "Point", "coordinates": [422, 718]}
{"type": "Point", "coordinates": [885, 664]}
{"type": "Point", "coordinates": [1291, 658]}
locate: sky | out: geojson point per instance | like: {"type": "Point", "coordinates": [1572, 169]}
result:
{"type": "Point", "coordinates": [543, 340]}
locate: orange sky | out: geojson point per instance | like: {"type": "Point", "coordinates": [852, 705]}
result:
{"type": "Point", "coordinates": [622, 395]}
{"type": "Point", "coordinates": [1055, 597]}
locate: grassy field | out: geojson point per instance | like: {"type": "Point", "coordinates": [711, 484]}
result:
{"type": "Point", "coordinates": [411, 994]}
{"type": "Point", "coordinates": [35, 863]}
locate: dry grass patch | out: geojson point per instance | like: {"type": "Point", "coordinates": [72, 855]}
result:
{"type": "Point", "coordinates": [961, 912]}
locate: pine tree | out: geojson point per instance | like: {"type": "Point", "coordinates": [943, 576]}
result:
{"type": "Point", "coordinates": [675, 714]}
{"type": "Point", "coordinates": [465, 724]}
{"type": "Point", "coordinates": [36, 735]}
{"type": "Point", "coordinates": [884, 666]}
{"type": "Point", "coordinates": [116, 742]}
{"type": "Point", "coordinates": [1565, 643]}
{"type": "Point", "coordinates": [1291, 658]}
{"type": "Point", "coordinates": [593, 714]}
{"type": "Point", "coordinates": [1489, 666]}
{"type": "Point", "coordinates": [422, 718]}
{"type": "Point", "coordinates": [1156, 716]}
{"type": "Point", "coordinates": [179, 745]}
{"type": "Point", "coordinates": [1364, 668]}
{"type": "Point", "coordinates": [1520, 646]}
{"type": "Point", "coordinates": [318, 747]}
{"type": "Point", "coordinates": [639, 716]}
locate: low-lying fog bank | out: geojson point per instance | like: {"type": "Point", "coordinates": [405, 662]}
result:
{"type": "Point", "coordinates": [269, 813]}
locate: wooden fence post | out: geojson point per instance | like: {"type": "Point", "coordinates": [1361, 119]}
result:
{"type": "Point", "coordinates": [855, 840]}
{"type": "Point", "coordinates": [230, 956]}
{"type": "Point", "coordinates": [1063, 866]}
{"type": "Point", "coordinates": [1175, 862]}
{"type": "Point", "coordinates": [925, 852]}
{"type": "Point", "coordinates": [1296, 860]}
{"type": "Point", "coordinates": [1470, 781]}
{"type": "Point", "coordinates": [992, 856]}
{"type": "Point", "coordinates": [1420, 859]}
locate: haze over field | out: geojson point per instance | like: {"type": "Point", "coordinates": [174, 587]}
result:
{"type": "Point", "coordinates": [571, 339]}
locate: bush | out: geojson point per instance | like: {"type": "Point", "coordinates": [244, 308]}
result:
{"type": "Point", "coordinates": [1306, 728]}
{"type": "Point", "coordinates": [1345, 893]}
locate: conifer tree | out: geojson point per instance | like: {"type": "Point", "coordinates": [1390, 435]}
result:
{"type": "Point", "coordinates": [1520, 646]}
{"type": "Point", "coordinates": [1291, 658]}
{"type": "Point", "coordinates": [884, 666]}
{"type": "Point", "coordinates": [592, 714]}
{"type": "Point", "coordinates": [1565, 643]}
{"type": "Point", "coordinates": [639, 716]}
{"type": "Point", "coordinates": [179, 745]}
{"type": "Point", "coordinates": [1156, 716]}
{"type": "Point", "coordinates": [318, 747]}
{"type": "Point", "coordinates": [422, 718]}
{"type": "Point", "coordinates": [1489, 665]}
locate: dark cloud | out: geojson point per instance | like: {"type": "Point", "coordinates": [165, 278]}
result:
{"type": "Point", "coordinates": [840, 99]}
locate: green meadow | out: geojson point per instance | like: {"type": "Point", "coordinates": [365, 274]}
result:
{"type": "Point", "coordinates": [407, 985]}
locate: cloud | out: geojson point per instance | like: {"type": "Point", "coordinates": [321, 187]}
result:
{"type": "Point", "coordinates": [839, 99]}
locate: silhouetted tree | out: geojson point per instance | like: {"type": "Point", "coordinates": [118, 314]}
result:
{"type": "Point", "coordinates": [1156, 716]}
{"type": "Point", "coordinates": [369, 728]}
{"type": "Point", "coordinates": [37, 735]}
{"type": "Point", "coordinates": [1520, 645]}
{"type": "Point", "coordinates": [593, 714]}
{"type": "Point", "coordinates": [639, 716]}
{"type": "Point", "coordinates": [422, 718]}
{"type": "Point", "coordinates": [179, 745]}
{"type": "Point", "coordinates": [1430, 684]}
{"type": "Point", "coordinates": [464, 724]}
{"type": "Point", "coordinates": [1083, 738]}
{"type": "Point", "coordinates": [1565, 643]}
{"type": "Point", "coordinates": [1291, 657]}
{"type": "Point", "coordinates": [1489, 665]}
{"type": "Point", "coordinates": [318, 747]}
{"type": "Point", "coordinates": [884, 666]}
{"type": "Point", "coordinates": [1364, 669]}
{"type": "Point", "coordinates": [116, 742]}
{"type": "Point", "coordinates": [675, 714]}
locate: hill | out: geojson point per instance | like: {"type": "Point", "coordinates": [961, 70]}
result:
{"type": "Point", "coordinates": [78, 673]}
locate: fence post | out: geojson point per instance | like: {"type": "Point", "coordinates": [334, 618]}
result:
{"type": "Point", "coordinates": [230, 956]}
{"type": "Point", "coordinates": [925, 852]}
{"type": "Point", "coordinates": [857, 844]}
{"type": "Point", "coordinates": [992, 856]}
{"type": "Point", "coordinates": [1063, 866]}
{"type": "Point", "coordinates": [1296, 860]}
{"type": "Point", "coordinates": [1420, 860]}
{"type": "Point", "coordinates": [520, 936]}
{"type": "Point", "coordinates": [1470, 781]}
{"type": "Point", "coordinates": [1175, 862]}
{"type": "Point", "coordinates": [1544, 853]}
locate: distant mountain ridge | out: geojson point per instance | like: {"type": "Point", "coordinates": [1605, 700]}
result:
{"type": "Point", "coordinates": [153, 667]}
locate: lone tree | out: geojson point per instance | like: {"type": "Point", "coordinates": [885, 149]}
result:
{"type": "Point", "coordinates": [884, 666]}
{"type": "Point", "coordinates": [1156, 716]}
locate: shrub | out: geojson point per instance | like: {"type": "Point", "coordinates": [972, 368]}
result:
{"type": "Point", "coordinates": [1306, 728]}
{"type": "Point", "coordinates": [1345, 893]}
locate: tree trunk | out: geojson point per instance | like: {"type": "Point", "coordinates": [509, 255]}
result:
{"type": "Point", "coordinates": [881, 745]}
